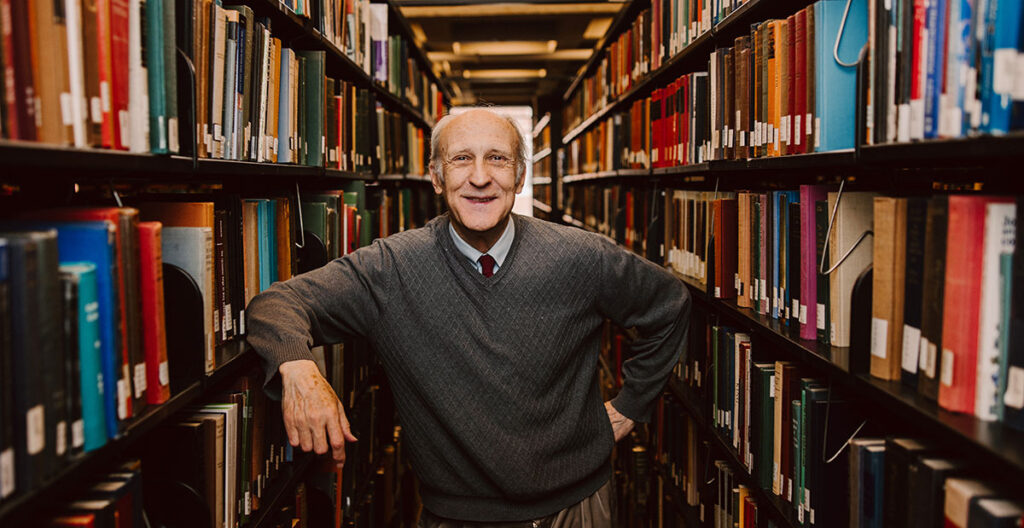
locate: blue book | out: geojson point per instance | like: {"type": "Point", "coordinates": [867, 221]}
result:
{"type": "Point", "coordinates": [264, 247]}
{"type": "Point", "coordinates": [998, 64]}
{"type": "Point", "coordinates": [90, 362]}
{"type": "Point", "coordinates": [873, 486]}
{"type": "Point", "coordinates": [960, 51]}
{"type": "Point", "coordinates": [785, 250]}
{"type": "Point", "coordinates": [835, 83]}
{"type": "Point", "coordinates": [936, 22]}
{"type": "Point", "coordinates": [95, 242]}
{"type": "Point", "coordinates": [272, 240]}
{"type": "Point", "coordinates": [284, 105]}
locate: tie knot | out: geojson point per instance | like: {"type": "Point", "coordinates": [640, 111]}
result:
{"type": "Point", "coordinates": [487, 264]}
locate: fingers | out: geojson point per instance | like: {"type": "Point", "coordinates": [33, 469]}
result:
{"type": "Point", "coordinates": [345, 427]}
{"type": "Point", "coordinates": [336, 437]}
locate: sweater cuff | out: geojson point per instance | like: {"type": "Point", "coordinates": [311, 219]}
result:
{"type": "Point", "coordinates": [631, 406]}
{"type": "Point", "coordinates": [272, 360]}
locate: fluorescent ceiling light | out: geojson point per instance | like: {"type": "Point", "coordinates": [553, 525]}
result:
{"type": "Point", "coordinates": [510, 9]}
{"type": "Point", "coordinates": [560, 55]}
{"type": "Point", "coordinates": [597, 28]}
{"type": "Point", "coordinates": [505, 47]}
{"type": "Point", "coordinates": [418, 34]}
{"type": "Point", "coordinates": [504, 74]}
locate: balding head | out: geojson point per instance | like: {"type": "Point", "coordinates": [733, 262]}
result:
{"type": "Point", "coordinates": [439, 141]}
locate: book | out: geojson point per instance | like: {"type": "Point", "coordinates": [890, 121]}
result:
{"type": "Point", "coordinates": [890, 243]}
{"type": "Point", "coordinates": [999, 239]}
{"type": "Point", "coordinates": [932, 296]}
{"type": "Point", "coordinates": [89, 351]}
{"type": "Point", "coordinates": [834, 115]}
{"type": "Point", "coordinates": [1013, 391]}
{"type": "Point", "coordinates": [899, 455]}
{"type": "Point", "coordinates": [917, 209]}
{"type": "Point", "coordinates": [960, 326]}
{"type": "Point", "coordinates": [849, 253]}
{"type": "Point", "coordinates": [154, 335]}
{"type": "Point", "coordinates": [926, 478]}
{"type": "Point", "coordinates": [960, 494]}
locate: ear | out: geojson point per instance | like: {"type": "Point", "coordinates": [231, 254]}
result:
{"type": "Point", "coordinates": [435, 180]}
{"type": "Point", "coordinates": [521, 184]}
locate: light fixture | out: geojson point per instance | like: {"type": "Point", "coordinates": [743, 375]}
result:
{"type": "Point", "coordinates": [505, 47]}
{"type": "Point", "coordinates": [504, 74]}
{"type": "Point", "coordinates": [597, 28]}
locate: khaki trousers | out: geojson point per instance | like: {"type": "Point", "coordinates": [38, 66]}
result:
{"type": "Point", "coordinates": [594, 511]}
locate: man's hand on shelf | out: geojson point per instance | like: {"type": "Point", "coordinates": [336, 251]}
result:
{"type": "Point", "coordinates": [313, 416]}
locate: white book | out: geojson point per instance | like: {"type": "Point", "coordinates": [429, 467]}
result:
{"type": "Point", "coordinates": [217, 81]}
{"type": "Point", "coordinates": [138, 83]}
{"type": "Point", "coordinates": [1000, 235]}
{"type": "Point", "coordinates": [76, 72]}
{"type": "Point", "coordinates": [855, 216]}
{"type": "Point", "coordinates": [379, 38]}
{"type": "Point", "coordinates": [191, 249]}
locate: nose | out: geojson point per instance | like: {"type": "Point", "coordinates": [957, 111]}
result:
{"type": "Point", "coordinates": [480, 174]}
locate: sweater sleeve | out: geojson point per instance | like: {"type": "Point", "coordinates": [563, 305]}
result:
{"type": "Point", "coordinates": [636, 293]}
{"type": "Point", "coordinates": [323, 306]}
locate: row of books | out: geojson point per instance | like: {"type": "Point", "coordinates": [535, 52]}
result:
{"type": "Point", "coordinates": [113, 500]}
{"type": "Point", "coordinates": [943, 69]}
{"type": "Point", "coordinates": [628, 215]}
{"type": "Point", "coordinates": [244, 95]}
{"type": "Point", "coordinates": [943, 273]}
{"type": "Point", "coordinates": [656, 35]}
{"type": "Point", "coordinates": [620, 142]}
{"type": "Point", "coordinates": [875, 481]}
{"type": "Point", "coordinates": [765, 95]}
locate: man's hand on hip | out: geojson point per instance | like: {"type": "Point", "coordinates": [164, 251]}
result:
{"type": "Point", "coordinates": [311, 409]}
{"type": "Point", "coordinates": [621, 425]}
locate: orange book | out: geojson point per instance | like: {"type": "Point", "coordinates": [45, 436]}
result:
{"type": "Point", "coordinates": [154, 334]}
{"type": "Point", "coordinates": [775, 32]}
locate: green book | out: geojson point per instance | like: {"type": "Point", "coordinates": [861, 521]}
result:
{"type": "Point", "coordinates": [811, 391]}
{"type": "Point", "coordinates": [312, 107]}
{"type": "Point", "coordinates": [791, 492]}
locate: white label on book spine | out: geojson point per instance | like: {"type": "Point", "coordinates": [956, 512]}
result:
{"type": "Point", "coordinates": [821, 316]}
{"type": "Point", "coordinates": [933, 357]}
{"type": "Point", "coordinates": [172, 134]}
{"type": "Point", "coordinates": [817, 132]}
{"type": "Point", "coordinates": [795, 310]}
{"type": "Point", "coordinates": [797, 129]}
{"type": "Point", "coordinates": [789, 488]}
{"type": "Point", "coordinates": [241, 323]}
{"type": "Point", "coordinates": [922, 360]}
{"type": "Point", "coordinates": [903, 123]}
{"type": "Point", "coordinates": [95, 110]}
{"type": "Point", "coordinates": [78, 433]}
{"type": "Point", "coordinates": [65, 109]}
{"type": "Point", "coordinates": [62, 438]}
{"type": "Point", "coordinates": [140, 380]}
{"type": "Point", "coordinates": [736, 281]}
{"type": "Point", "coordinates": [800, 513]}
{"type": "Point", "coordinates": [122, 399]}
{"type": "Point", "coordinates": [718, 291]}
{"type": "Point", "coordinates": [947, 367]}
{"type": "Point", "coordinates": [803, 314]}
{"type": "Point", "coordinates": [879, 337]}
{"type": "Point", "coordinates": [248, 503]}
{"type": "Point", "coordinates": [124, 127]}
{"type": "Point", "coordinates": [164, 373]}
{"type": "Point", "coordinates": [911, 347]}
{"type": "Point", "coordinates": [7, 472]}
{"type": "Point", "coordinates": [35, 431]}
{"type": "Point", "coordinates": [1004, 60]}
{"type": "Point", "coordinates": [1014, 396]}
{"type": "Point", "coordinates": [1018, 81]}
{"type": "Point", "coordinates": [764, 290]}
{"type": "Point", "coordinates": [105, 96]}
{"type": "Point", "coordinates": [771, 384]}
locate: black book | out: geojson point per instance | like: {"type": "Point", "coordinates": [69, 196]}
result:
{"type": "Point", "coordinates": [176, 472]}
{"type": "Point", "coordinates": [128, 231]}
{"type": "Point", "coordinates": [221, 313]}
{"type": "Point", "coordinates": [933, 284]}
{"type": "Point", "coordinates": [74, 436]}
{"type": "Point", "coordinates": [917, 210]}
{"type": "Point", "coordinates": [186, 77]}
{"type": "Point", "coordinates": [899, 453]}
{"type": "Point", "coordinates": [821, 214]}
{"type": "Point", "coordinates": [28, 304]}
{"type": "Point", "coordinates": [926, 479]}
{"type": "Point", "coordinates": [1013, 395]}
{"type": "Point", "coordinates": [827, 479]}
{"type": "Point", "coordinates": [793, 265]}
{"type": "Point", "coordinates": [995, 513]}
{"type": "Point", "coordinates": [6, 379]}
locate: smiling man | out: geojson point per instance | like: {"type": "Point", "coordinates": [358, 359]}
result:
{"type": "Point", "coordinates": [488, 325]}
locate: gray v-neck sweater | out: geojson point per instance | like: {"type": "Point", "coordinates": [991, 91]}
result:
{"type": "Point", "coordinates": [495, 379]}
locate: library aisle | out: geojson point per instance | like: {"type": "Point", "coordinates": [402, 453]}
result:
{"type": "Point", "coordinates": [834, 183]}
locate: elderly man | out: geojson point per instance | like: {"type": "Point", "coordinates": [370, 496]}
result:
{"type": "Point", "coordinates": [488, 326]}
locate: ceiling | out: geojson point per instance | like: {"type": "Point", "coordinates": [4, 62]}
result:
{"type": "Point", "coordinates": [508, 53]}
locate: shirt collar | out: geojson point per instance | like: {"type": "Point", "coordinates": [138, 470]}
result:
{"type": "Point", "coordinates": [499, 250]}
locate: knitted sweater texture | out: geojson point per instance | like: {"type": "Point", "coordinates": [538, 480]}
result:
{"type": "Point", "coordinates": [495, 379]}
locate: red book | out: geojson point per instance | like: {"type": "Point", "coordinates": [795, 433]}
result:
{"type": "Point", "coordinates": [725, 212]}
{"type": "Point", "coordinates": [119, 72]}
{"type": "Point", "coordinates": [151, 289]}
{"type": "Point", "coordinates": [629, 219]}
{"type": "Point", "coordinates": [964, 253]}
{"type": "Point", "coordinates": [797, 143]}
{"type": "Point", "coordinates": [682, 95]}
{"type": "Point", "coordinates": [106, 72]}
{"type": "Point", "coordinates": [19, 85]}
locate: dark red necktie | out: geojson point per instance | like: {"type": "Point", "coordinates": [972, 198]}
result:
{"type": "Point", "coordinates": [487, 263]}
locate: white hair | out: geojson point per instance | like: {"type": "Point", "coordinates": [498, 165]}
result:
{"type": "Point", "coordinates": [437, 151]}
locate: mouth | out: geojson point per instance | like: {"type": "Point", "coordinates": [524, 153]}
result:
{"type": "Point", "coordinates": [480, 200]}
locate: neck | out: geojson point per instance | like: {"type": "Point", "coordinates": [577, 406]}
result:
{"type": "Point", "coordinates": [482, 241]}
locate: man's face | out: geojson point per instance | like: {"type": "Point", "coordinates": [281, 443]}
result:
{"type": "Point", "coordinates": [479, 171]}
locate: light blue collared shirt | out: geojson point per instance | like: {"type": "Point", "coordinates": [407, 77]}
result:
{"type": "Point", "coordinates": [499, 250]}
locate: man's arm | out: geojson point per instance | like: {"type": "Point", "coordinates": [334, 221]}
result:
{"type": "Point", "coordinates": [639, 294]}
{"type": "Point", "coordinates": [319, 307]}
